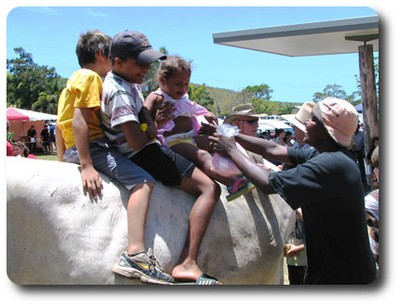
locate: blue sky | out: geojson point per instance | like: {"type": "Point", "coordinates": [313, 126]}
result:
{"type": "Point", "coordinates": [187, 31]}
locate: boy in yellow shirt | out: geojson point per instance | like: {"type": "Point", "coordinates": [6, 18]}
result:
{"type": "Point", "coordinates": [81, 140]}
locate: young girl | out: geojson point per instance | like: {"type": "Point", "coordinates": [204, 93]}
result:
{"type": "Point", "coordinates": [181, 133]}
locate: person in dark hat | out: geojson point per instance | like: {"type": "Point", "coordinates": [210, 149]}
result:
{"type": "Point", "coordinates": [326, 184]}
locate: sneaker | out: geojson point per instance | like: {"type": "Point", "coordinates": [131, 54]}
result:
{"type": "Point", "coordinates": [143, 266]}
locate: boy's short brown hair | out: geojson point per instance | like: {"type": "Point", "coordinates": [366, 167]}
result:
{"type": "Point", "coordinates": [89, 44]}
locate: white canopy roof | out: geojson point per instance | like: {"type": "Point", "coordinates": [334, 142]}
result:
{"type": "Point", "coordinates": [315, 38]}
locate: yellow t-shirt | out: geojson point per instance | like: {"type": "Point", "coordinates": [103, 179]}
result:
{"type": "Point", "coordinates": [83, 90]}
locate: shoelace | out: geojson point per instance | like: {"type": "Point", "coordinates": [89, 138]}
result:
{"type": "Point", "coordinates": [153, 260]}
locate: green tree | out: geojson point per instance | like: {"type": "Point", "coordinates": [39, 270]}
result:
{"type": "Point", "coordinates": [46, 103]}
{"type": "Point", "coordinates": [200, 95]}
{"type": "Point", "coordinates": [150, 82]}
{"type": "Point", "coordinates": [48, 100]}
{"type": "Point", "coordinates": [262, 91]}
{"type": "Point", "coordinates": [285, 108]}
{"type": "Point", "coordinates": [263, 107]}
{"type": "Point", "coordinates": [335, 91]}
{"type": "Point", "coordinates": [26, 80]}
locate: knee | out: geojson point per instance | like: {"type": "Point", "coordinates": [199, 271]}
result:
{"type": "Point", "coordinates": [205, 158]}
{"type": "Point", "coordinates": [215, 190]}
{"type": "Point", "coordinates": [204, 155]}
{"type": "Point", "coordinates": [209, 189]}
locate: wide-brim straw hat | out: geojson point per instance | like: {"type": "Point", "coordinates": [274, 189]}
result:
{"type": "Point", "coordinates": [243, 111]}
{"type": "Point", "coordinates": [299, 119]}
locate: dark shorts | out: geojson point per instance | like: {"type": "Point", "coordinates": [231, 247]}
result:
{"type": "Point", "coordinates": [108, 160]}
{"type": "Point", "coordinates": [164, 164]}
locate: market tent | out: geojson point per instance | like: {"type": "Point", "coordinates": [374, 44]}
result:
{"type": "Point", "coordinates": [14, 114]}
{"type": "Point", "coordinates": [19, 114]}
{"type": "Point", "coordinates": [21, 120]}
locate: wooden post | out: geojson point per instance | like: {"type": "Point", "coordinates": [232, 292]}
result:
{"type": "Point", "coordinates": [368, 94]}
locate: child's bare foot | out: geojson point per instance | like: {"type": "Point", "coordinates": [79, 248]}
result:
{"type": "Point", "coordinates": [192, 275]}
{"type": "Point", "coordinates": [185, 272]}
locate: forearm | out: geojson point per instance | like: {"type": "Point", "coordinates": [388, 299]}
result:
{"type": "Point", "coordinates": [83, 146]}
{"type": "Point", "coordinates": [81, 135]}
{"type": "Point", "coordinates": [253, 172]}
{"type": "Point", "coordinates": [145, 116]}
{"type": "Point", "coordinates": [266, 148]}
{"type": "Point", "coordinates": [134, 136]}
{"type": "Point", "coordinates": [60, 145]}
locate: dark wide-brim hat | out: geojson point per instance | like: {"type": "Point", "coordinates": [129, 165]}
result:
{"type": "Point", "coordinates": [243, 111]}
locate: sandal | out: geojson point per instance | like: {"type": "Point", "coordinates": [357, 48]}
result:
{"type": "Point", "coordinates": [235, 191]}
{"type": "Point", "coordinates": [203, 280]}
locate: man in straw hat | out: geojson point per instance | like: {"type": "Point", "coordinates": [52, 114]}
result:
{"type": "Point", "coordinates": [245, 118]}
{"type": "Point", "coordinates": [326, 184]}
{"type": "Point", "coordinates": [298, 121]}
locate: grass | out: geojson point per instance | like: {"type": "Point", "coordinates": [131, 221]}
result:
{"type": "Point", "coordinates": [47, 157]}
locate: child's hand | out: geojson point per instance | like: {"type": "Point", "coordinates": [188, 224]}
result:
{"type": "Point", "coordinates": [164, 114]}
{"type": "Point", "coordinates": [91, 182]}
{"type": "Point", "coordinates": [207, 129]}
{"type": "Point", "coordinates": [211, 118]}
{"type": "Point", "coordinates": [289, 250]}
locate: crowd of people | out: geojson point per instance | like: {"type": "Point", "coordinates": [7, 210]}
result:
{"type": "Point", "coordinates": [32, 144]}
{"type": "Point", "coordinates": [105, 125]}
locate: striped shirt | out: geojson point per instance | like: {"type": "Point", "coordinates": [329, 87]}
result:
{"type": "Point", "coordinates": [121, 102]}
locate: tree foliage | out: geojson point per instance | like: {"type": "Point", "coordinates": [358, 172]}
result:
{"type": "Point", "coordinates": [336, 91]}
{"type": "Point", "coordinates": [46, 103]}
{"type": "Point", "coordinates": [262, 91]}
{"type": "Point", "coordinates": [27, 81]}
{"type": "Point", "coordinates": [200, 95]}
{"type": "Point", "coordinates": [150, 82]}
{"type": "Point", "coordinates": [31, 86]}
